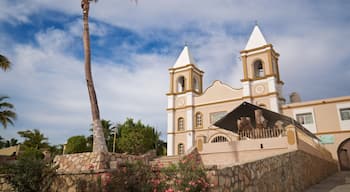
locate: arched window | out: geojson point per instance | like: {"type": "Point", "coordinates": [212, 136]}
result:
{"type": "Point", "coordinates": [195, 84]}
{"type": "Point", "coordinates": [199, 120]}
{"type": "Point", "coordinates": [180, 149]}
{"type": "Point", "coordinates": [258, 69]}
{"type": "Point", "coordinates": [219, 139]}
{"type": "Point", "coordinates": [181, 84]}
{"type": "Point", "coordinates": [180, 124]}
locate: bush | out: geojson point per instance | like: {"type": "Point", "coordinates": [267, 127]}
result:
{"type": "Point", "coordinates": [129, 177]}
{"type": "Point", "coordinates": [188, 175]}
{"type": "Point", "coordinates": [29, 173]}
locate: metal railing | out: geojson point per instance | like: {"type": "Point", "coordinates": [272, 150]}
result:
{"type": "Point", "coordinates": [261, 133]}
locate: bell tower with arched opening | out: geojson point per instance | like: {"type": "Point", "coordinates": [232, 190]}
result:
{"type": "Point", "coordinates": [261, 78]}
{"type": "Point", "coordinates": [186, 81]}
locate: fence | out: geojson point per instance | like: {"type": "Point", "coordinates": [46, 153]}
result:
{"type": "Point", "coordinates": [261, 133]}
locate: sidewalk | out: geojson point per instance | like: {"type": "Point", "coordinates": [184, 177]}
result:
{"type": "Point", "coordinates": [339, 182]}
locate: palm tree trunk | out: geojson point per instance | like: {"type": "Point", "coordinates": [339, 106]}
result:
{"type": "Point", "coordinates": [99, 142]}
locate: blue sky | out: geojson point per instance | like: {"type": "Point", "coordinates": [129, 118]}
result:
{"type": "Point", "coordinates": [133, 45]}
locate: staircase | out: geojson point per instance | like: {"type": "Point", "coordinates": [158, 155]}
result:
{"type": "Point", "coordinates": [165, 161]}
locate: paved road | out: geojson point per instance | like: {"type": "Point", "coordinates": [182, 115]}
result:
{"type": "Point", "coordinates": [339, 182]}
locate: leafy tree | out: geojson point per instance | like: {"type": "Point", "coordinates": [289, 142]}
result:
{"type": "Point", "coordinates": [34, 139]}
{"type": "Point", "coordinates": [2, 142]}
{"type": "Point", "coordinates": [8, 143]}
{"type": "Point", "coordinates": [136, 138]}
{"type": "Point", "coordinates": [99, 143]}
{"type": "Point", "coordinates": [7, 115]}
{"type": "Point", "coordinates": [5, 64]}
{"type": "Point", "coordinates": [11, 142]}
{"type": "Point", "coordinates": [76, 144]}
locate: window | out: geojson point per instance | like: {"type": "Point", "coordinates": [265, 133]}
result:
{"type": "Point", "coordinates": [180, 124]}
{"type": "Point", "coordinates": [258, 69]}
{"type": "Point", "coordinates": [345, 114]}
{"type": "Point", "coordinates": [199, 121]}
{"type": "Point", "coordinates": [219, 139]}
{"type": "Point", "coordinates": [305, 118]}
{"type": "Point", "coordinates": [181, 149]}
{"type": "Point", "coordinates": [181, 84]}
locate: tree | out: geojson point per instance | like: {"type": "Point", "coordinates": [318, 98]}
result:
{"type": "Point", "coordinates": [2, 142]}
{"type": "Point", "coordinates": [7, 115]}
{"type": "Point", "coordinates": [76, 144]}
{"type": "Point", "coordinates": [5, 64]}
{"type": "Point", "coordinates": [34, 139]}
{"type": "Point", "coordinates": [99, 143]}
{"type": "Point", "coordinates": [108, 131]}
{"type": "Point", "coordinates": [11, 142]}
{"type": "Point", "coordinates": [136, 138]}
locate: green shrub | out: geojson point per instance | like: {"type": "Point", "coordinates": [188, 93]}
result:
{"type": "Point", "coordinates": [29, 173]}
{"type": "Point", "coordinates": [187, 175]}
{"type": "Point", "coordinates": [129, 177]}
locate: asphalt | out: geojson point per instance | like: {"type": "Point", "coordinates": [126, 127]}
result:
{"type": "Point", "coordinates": [339, 182]}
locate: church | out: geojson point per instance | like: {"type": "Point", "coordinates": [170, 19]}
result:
{"type": "Point", "coordinates": [202, 117]}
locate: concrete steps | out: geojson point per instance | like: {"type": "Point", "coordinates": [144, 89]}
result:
{"type": "Point", "coordinates": [165, 161]}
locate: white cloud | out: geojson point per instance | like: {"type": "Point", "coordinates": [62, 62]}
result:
{"type": "Point", "coordinates": [47, 81]}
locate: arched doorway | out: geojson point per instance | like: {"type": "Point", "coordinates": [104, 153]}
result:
{"type": "Point", "coordinates": [344, 154]}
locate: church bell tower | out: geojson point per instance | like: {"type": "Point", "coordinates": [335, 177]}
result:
{"type": "Point", "coordinates": [261, 78]}
{"type": "Point", "coordinates": [186, 81]}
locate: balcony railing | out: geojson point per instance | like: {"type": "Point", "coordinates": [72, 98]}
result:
{"type": "Point", "coordinates": [261, 133]}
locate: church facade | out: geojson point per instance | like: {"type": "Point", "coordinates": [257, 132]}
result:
{"type": "Point", "coordinates": [193, 110]}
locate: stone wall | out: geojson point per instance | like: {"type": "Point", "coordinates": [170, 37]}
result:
{"type": "Point", "coordinates": [82, 162]}
{"type": "Point", "coordinates": [4, 185]}
{"type": "Point", "coordinates": [293, 171]}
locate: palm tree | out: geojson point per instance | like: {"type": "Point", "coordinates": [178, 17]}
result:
{"type": "Point", "coordinates": [7, 116]}
{"type": "Point", "coordinates": [5, 64]}
{"type": "Point", "coordinates": [99, 143]}
{"type": "Point", "coordinates": [34, 139]}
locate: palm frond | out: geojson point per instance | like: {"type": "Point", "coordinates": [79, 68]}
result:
{"type": "Point", "coordinates": [5, 64]}
{"type": "Point", "coordinates": [7, 116]}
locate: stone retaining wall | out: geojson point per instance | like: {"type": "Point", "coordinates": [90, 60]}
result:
{"type": "Point", "coordinates": [82, 162]}
{"type": "Point", "coordinates": [293, 171]}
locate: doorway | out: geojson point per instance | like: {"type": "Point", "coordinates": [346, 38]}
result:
{"type": "Point", "coordinates": [344, 154]}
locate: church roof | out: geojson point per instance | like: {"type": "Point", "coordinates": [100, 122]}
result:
{"type": "Point", "coordinates": [256, 39]}
{"type": "Point", "coordinates": [184, 59]}
{"type": "Point", "coordinates": [229, 121]}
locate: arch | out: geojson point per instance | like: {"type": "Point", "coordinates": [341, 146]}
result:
{"type": "Point", "coordinates": [180, 124]}
{"type": "Point", "coordinates": [181, 82]}
{"type": "Point", "coordinates": [258, 68]}
{"type": "Point", "coordinates": [195, 84]}
{"type": "Point", "coordinates": [180, 149]}
{"type": "Point", "coordinates": [199, 120]}
{"type": "Point", "coordinates": [219, 139]}
{"type": "Point", "coordinates": [344, 154]}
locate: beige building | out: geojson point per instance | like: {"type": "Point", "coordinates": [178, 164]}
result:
{"type": "Point", "coordinates": [192, 111]}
